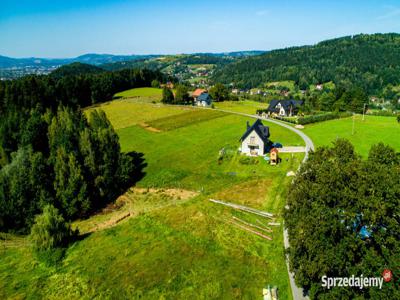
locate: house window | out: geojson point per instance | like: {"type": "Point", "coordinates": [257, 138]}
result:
{"type": "Point", "coordinates": [252, 140]}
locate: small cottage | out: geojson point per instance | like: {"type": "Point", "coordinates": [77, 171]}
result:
{"type": "Point", "coordinates": [256, 139]}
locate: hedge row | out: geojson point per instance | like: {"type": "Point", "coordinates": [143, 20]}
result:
{"type": "Point", "coordinates": [383, 113]}
{"type": "Point", "coordinates": [325, 117]}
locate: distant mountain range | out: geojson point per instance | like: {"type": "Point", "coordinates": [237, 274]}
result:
{"type": "Point", "coordinates": [93, 59]}
{"type": "Point", "coordinates": [97, 59]}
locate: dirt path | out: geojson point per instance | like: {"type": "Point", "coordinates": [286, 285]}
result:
{"type": "Point", "coordinates": [132, 204]}
{"type": "Point", "coordinates": [148, 127]}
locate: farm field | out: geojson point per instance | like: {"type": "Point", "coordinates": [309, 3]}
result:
{"type": "Point", "coordinates": [145, 94]}
{"type": "Point", "coordinates": [126, 112]}
{"type": "Point", "coordinates": [243, 106]}
{"type": "Point", "coordinates": [372, 130]}
{"type": "Point", "coordinates": [173, 245]}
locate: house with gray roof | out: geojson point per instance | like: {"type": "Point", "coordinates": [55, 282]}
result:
{"type": "Point", "coordinates": [203, 100]}
{"type": "Point", "coordinates": [255, 140]}
{"type": "Point", "coordinates": [285, 108]}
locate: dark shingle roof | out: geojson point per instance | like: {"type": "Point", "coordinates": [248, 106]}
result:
{"type": "Point", "coordinates": [285, 103]}
{"type": "Point", "coordinates": [261, 130]}
{"type": "Point", "coordinates": [204, 97]}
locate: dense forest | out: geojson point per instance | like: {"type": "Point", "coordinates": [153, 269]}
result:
{"type": "Point", "coordinates": [343, 219]}
{"type": "Point", "coordinates": [75, 69]}
{"type": "Point", "coordinates": [52, 153]}
{"type": "Point", "coordinates": [371, 62]}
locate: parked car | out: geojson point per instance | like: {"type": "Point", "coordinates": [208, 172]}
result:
{"type": "Point", "coordinates": [277, 145]}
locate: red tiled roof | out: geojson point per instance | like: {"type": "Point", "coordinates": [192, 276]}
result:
{"type": "Point", "coordinates": [198, 92]}
{"type": "Point", "coordinates": [274, 150]}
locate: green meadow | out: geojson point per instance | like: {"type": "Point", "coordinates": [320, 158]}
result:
{"type": "Point", "coordinates": [372, 130]}
{"type": "Point", "coordinates": [126, 112]}
{"type": "Point", "coordinates": [243, 106]}
{"type": "Point", "coordinates": [145, 94]}
{"type": "Point", "coordinates": [171, 247]}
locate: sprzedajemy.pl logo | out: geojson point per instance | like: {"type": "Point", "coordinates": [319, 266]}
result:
{"type": "Point", "coordinates": [357, 281]}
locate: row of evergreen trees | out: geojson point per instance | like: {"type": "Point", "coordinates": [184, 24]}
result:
{"type": "Point", "coordinates": [52, 154]}
{"type": "Point", "coordinates": [68, 161]}
{"type": "Point", "coordinates": [79, 90]}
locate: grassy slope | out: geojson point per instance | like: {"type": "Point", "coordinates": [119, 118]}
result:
{"type": "Point", "coordinates": [127, 112]}
{"type": "Point", "coordinates": [246, 106]}
{"type": "Point", "coordinates": [145, 94]}
{"type": "Point", "coordinates": [371, 131]}
{"type": "Point", "coordinates": [187, 157]}
{"type": "Point", "coordinates": [181, 251]}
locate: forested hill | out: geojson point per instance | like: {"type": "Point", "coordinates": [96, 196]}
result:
{"type": "Point", "coordinates": [76, 69]}
{"type": "Point", "coordinates": [369, 61]}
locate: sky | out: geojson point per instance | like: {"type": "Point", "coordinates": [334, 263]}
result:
{"type": "Point", "coordinates": [55, 29]}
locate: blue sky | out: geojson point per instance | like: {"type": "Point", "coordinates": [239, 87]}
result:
{"type": "Point", "coordinates": [45, 28]}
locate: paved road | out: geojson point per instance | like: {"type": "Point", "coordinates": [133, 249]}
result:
{"type": "Point", "coordinates": [297, 292]}
{"type": "Point", "coordinates": [292, 149]}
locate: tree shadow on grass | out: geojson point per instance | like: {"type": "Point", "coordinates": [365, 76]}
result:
{"type": "Point", "coordinates": [133, 165]}
{"type": "Point", "coordinates": [137, 173]}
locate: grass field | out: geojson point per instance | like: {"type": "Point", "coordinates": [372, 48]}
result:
{"type": "Point", "coordinates": [172, 247]}
{"type": "Point", "coordinates": [125, 113]}
{"type": "Point", "coordinates": [245, 106]}
{"type": "Point", "coordinates": [372, 130]}
{"type": "Point", "coordinates": [187, 156]}
{"type": "Point", "coordinates": [145, 94]}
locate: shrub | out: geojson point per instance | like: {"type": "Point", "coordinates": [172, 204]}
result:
{"type": "Point", "coordinates": [155, 83]}
{"type": "Point", "coordinates": [248, 160]}
{"type": "Point", "coordinates": [50, 230]}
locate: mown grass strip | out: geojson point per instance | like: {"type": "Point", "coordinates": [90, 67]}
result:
{"type": "Point", "coordinates": [185, 119]}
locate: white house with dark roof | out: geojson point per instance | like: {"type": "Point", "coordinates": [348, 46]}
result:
{"type": "Point", "coordinates": [255, 140]}
{"type": "Point", "coordinates": [203, 100]}
{"type": "Point", "coordinates": [285, 108]}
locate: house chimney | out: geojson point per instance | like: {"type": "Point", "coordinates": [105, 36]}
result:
{"type": "Point", "coordinates": [248, 124]}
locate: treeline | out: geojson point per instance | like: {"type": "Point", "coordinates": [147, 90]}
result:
{"type": "Point", "coordinates": [370, 62]}
{"type": "Point", "coordinates": [343, 220]}
{"type": "Point", "coordinates": [51, 154]}
{"type": "Point", "coordinates": [74, 90]}
{"type": "Point", "coordinates": [341, 99]}
{"type": "Point", "coordinates": [64, 160]}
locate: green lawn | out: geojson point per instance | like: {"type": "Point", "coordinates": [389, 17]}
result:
{"type": "Point", "coordinates": [145, 94]}
{"type": "Point", "coordinates": [187, 156]}
{"type": "Point", "coordinates": [173, 249]}
{"type": "Point", "coordinates": [372, 130]}
{"type": "Point", "coordinates": [125, 113]}
{"type": "Point", "coordinates": [185, 119]}
{"type": "Point", "coordinates": [244, 106]}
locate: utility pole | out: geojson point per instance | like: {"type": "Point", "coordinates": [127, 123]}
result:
{"type": "Point", "coordinates": [364, 111]}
